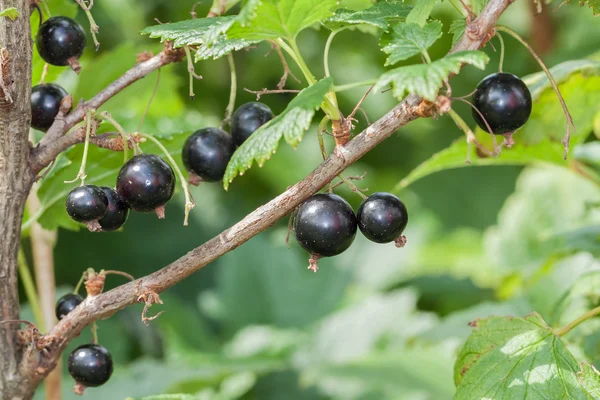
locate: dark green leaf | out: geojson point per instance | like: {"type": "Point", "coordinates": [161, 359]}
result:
{"type": "Point", "coordinates": [516, 358]}
{"type": "Point", "coordinates": [409, 39]}
{"type": "Point", "coordinates": [290, 124]}
{"type": "Point", "coordinates": [272, 19]}
{"type": "Point", "coordinates": [426, 80]}
{"type": "Point", "coordinates": [379, 15]}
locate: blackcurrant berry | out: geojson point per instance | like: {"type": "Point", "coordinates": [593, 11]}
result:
{"type": "Point", "coordinates": [91, 365]}
{"type": "Point", "coordinates": [247, 119]}
{"type": "Point", "coordinates": [66, 304]}
{"type": "Point", "coordinates": [206, 154]}
{"type": "Point", "coordinates": [382, 218]}
{"type": "Point", "coordinates": [118, 211]}
{"type": "Point", "coordinates": [504, 101]}
{"type": "Point", "coordinates": [60, 41]}
{"type": "Point", "coordinates": [45, 105]}
{"type": "Point", "coordinates": [146, 183]}
{"type": "Point", "coordinates": [325, 226]}
{"type": "Point", "coordinates": [87, 204]}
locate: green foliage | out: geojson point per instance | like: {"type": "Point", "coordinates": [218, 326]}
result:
{"type": "Point", "coordinates": [290, 124]}
{"type": "Point", "coordinates": [457, 28]}
{"type": "Point", "coordinates": [510, 358]}
{"type": "Point", "coordinates": [593, 4]}
{"type": "Point", "coordinates": [409, 39]}
{"type": "Point", "coordinates": [589, 378]}
{"type": "Point", "coordinates": [272, 19]}
{"type": "Point", "coordinates": [539, 82]}
{"type": "Point", "coordinates": [421, 12]}
{"type": "Point", "coordinates": [380, 15]}
{"type": "Point", "coordinates": [10, 12]}
{"type": "Point", "coordinates": [425, 80]}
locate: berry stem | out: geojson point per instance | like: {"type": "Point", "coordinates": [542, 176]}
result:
{"type": "Point", "coordinates": [460, 8]}
{"type": "Point", "coordinates": [108, 118]}
{"type": "Point", "coordinates": [326, 52]}
{"type": "Point", "coordinates": [343, 88]}
{"type": "Point", "coordinates": [189, 203]}
{"type": "Point", "coordinates": [94, 329]}
{"type": "Point", "coordinates": [471, 138]}
{"type": "Point", "coordinates": [501, 40]}
{"type": "Point", "coordinates": [191, 71]}
{"type": "Point", "coordinates": [149, 101]}
{"type": "Point", "coordinates": [570, 326]}
{"type": "Point", "coordinates": [78, 286]}
{"type": "Point", "coordinates": [568, 117]}
{"type": "Point", "coordinates": [232, 91]}
{"type": "Point", "coordinates": [320, 130]}
{"type": "Point", "coordinates": [425, 54]}
{"type": "Point", "coordinates": [86, 145]}
{"type": "Point", "coordinates": [30, 290]}
{"type": "Point", "coordinates": [114, 272]}
{"type": "Point", "coordinates": [94, 28]}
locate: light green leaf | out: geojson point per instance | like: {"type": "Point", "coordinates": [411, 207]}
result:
{"type": "Point", "coordinates": [427, 79]}
{"type": "Point", "coordinates": [290, 124]}
{"type": "Point", "coordinates": [548, 200]}
{"type": "Point", "coordinates": [539, 82]}
{"type": "Point", "coordinates": [588, 153]}
{"type": "Point", "coordinates": [457, 28]}
{"type": "Point", "coordinates": [207, 33]}
{"type": "Point", "coordinates": [455, 157]}
{"type": "Point", "coordinates": [356, 4]}
{"type": "Point", "coordinates": [379, 15]}
{"type": "Point", "coordinates": [102, 169]}
{"type": "Point", "coordinates": [408, 40]}
{"type": "Point", "coordinates": [421, 12]}
{"type": "Point", "coordinates": [273, 19]}
{"type": "Point", "coordinates": [516, 358]}
{"type": "Point", "coordinates": [10, 12]}
{"type": "Point", "coordinates": [589, 378]}
{"type": "Point", "coordinates": [593, 4]}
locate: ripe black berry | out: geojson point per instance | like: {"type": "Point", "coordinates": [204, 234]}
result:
{"type": "Point", "coordinates": [206, 154]}
{"type": "Point", "coordinates": [247, 119]}
{"type": "Point", "coordinates": [382, 218]}
{"type": "Point", "coordinates": [60, 41]}
{"type": "Point", "coordinates": [91, 365]}
{"type": "Point", "coordinates": [118, 211]}
{"type": "Point", "coordinates": [45, 104]}
{"type": "Point", "coordinates": [325, 226]}
{"type": "Point", "coordinates": [146, 183]}
{"type": "Point", "coordinates": [66, 304]}
{"type": "Point", "coordinates": [504, 101]}
{"type": "Point", "coordinates": [87, 204]}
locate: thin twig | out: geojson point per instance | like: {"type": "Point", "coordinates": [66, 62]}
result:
{"type": "Point", "coordinates": [94, 28]}
{"type": "Point", "coordinates": [259, 93]}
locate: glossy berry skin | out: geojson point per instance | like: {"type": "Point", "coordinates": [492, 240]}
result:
{"type": "Point", "coordinates": [117, 213]}
{"type": "Point", "coordinates": [146, 182]}
{"type": "Point", "coordinates": [90, 365]}
{"type": "Point", "coordinates": [60, 39]}
{"type": "Point", "coordinates": [66, 304]}
{"type": "Point", "coordinates": [247, 119]}
{"type": "Point", "coordinates": [325, 225]}
{"type": "Point", "coordinates": [45, 105]}
{"type": "Point", "coordinates": [87, 203]}
{"type": "Point", "coordinates": [382, 217]}
{"type": "Point", "coordinates": [505, 102]}
{"type": "Point", "coordinates": [207, 152]}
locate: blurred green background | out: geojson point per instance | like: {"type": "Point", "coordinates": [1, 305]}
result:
{"type": "Point", "coordinates": [375, 322]}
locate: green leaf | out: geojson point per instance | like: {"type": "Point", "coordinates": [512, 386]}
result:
{"type": "Point", "coordinates": [102, 169]}
{"type": "Point", "coordinates": [290, 124]}
{"type": "Point", "coordinates": [207, 33]}
{"type": "Point", "coordinates": [421, 12]}
{"type": "Point", "coordinates": [273, 19]}
{"type": "Point", "coordinates": [539, 82]}
{"type": "Point", "coordinates": [589, 378]}
{"type": "Point", "coordinates": [548, 200]}
{"type": "Point", "coordinates": [409, 39]}
{"type": "Point", "coordinates": [457, 28]}
{"type": "Point", "coordinates": [379, 15]}
{"type": "Point", "coordinates": [10, 12]}
{"type": "Point", "coordinates": [455, 157]}
{"type": "Point", "coordinates": [516, 358]}
{"type": "Point", "coordinates": [427, 79]}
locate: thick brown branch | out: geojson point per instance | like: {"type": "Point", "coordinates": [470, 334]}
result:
{"type": "Point", "coordinates": [106, 304]}
{"type": "Point", "coordinates": [55, 141]}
